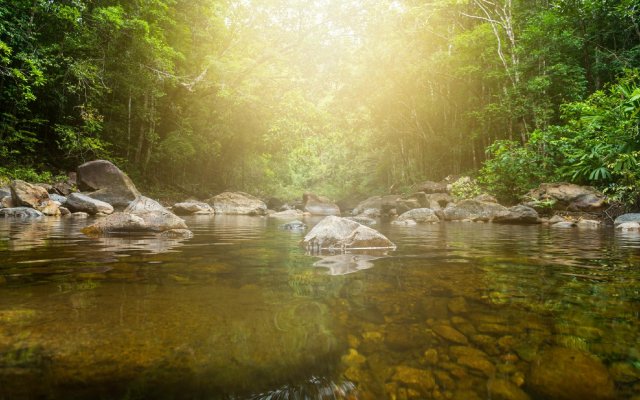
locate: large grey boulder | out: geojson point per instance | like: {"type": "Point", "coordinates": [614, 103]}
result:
{"type": "Point", "coordinates": [319, 205]}
{"type": "Point", "coordinates": [20, 212]}
{"type": "Point", "coordinates": [238, 203]}
{"type": "Point", "coordinates": [473, 210]}
{"type": "Point", "coordinates": [336, 233]}
{"type": "Point", "coordinates": [192, 207]}
{"type": "Point", "coordinates": [81, 202]}
{"type": "Point", "coordinates": [624, 218]}
{"type": "Point", "coordinates": [419, 215]}
{"type": "Point", "coordinates": [568, 374]}
{"type": "Point", "coordinates": [519, 214]}
{"type": "Point", "coordinates": [567, 196]}
{"type": "Point", "coordinates": [106, 182]}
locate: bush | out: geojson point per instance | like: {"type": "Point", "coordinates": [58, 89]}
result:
{"type": "Point", "coordinates": [513, 169]}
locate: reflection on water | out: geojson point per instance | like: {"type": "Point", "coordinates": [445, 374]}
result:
{"type": "Point", "coordinates": [459, 311]}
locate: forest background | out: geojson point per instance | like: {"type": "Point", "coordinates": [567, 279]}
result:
{"type": "Point", "coordinates": [340, 97]}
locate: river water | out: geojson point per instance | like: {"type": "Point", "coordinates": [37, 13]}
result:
{"type": "Point", "coordinates": [458, 311]}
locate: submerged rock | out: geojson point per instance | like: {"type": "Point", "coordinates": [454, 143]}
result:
{"type": "Point", "coordinates": [294, 226]}
{"type": "Point", "coordinates": [628, 226]}
{"type": "Point", "coordinates": [79, 202]}
{"type": "Point", "coordinates": [567, 374]}
{"type": "Point", "coordinates": [363, 219]}
{"type": "Point", "coordinates": [319, 205]}
{"type": "Point", "coordinates": [335, 233]}
{"type": "Point", "coordinates": [502, 389]}
{"type": "Point", "coordinates": [238, 203]}
{"type": "Point", "coordinates": [342, 264]}
{"type": "Point", "coordinates": [176, 234]}
{"type": "Point", "coordinates": [20, 212]}
{"type": "Point", "coordinates": [106, 182]}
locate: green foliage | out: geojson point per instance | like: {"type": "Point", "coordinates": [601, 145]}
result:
{"type": "Point", "coordinates": [512, 169]}
{"type": "Point", "coordinates": [29, 175]}
{"type": "Point", "coordinates": [465, 188]}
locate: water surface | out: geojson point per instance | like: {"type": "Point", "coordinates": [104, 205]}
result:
{"type": "Point", "coordinates": [240, 311]}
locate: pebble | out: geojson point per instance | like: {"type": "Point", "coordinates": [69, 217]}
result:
{"type": "Point", "coordinates": [451, 334]}
{"type": "Point", "coordinates": [500, 389]}
{"type": "Point", "coordinates": [414, 378]}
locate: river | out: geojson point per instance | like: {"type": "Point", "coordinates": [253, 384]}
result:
{"type": "Point", "coordinates": [458, 311]}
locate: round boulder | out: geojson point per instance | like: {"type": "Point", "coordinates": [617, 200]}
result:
{"type": "Point", "coordinates": [567, 374]}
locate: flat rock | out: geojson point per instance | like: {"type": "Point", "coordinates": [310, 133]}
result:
{"type": "Point", "coordinates": [192, 207]}
{"type": "Point", "coordinates": [106, 182]}
{"type": "Point", "coordinates": [568, 374]}
{"type": "Point", "coordinates": [81, 202]}
{"type": "Point", "coordinates": [420, 215]}
{"type": "Point", "coordinates": [519, 214]}
{"type": "Point", "coordinates": [473, 210]}
{"type": "Point", "coordinates": [20, 212]}
{"type": "Point", "coordinates": [336, 233]}
{"type": "Point", "coordinates": [117, 222]}
{"type": "Point", "coordinates": [237, 203]}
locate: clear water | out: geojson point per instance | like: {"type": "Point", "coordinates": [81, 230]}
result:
{"type": "Point", "coordinates": [240, 311]}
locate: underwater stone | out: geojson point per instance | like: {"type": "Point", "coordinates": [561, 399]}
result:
{"type": "Point", "coordinates": [568, 374]}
